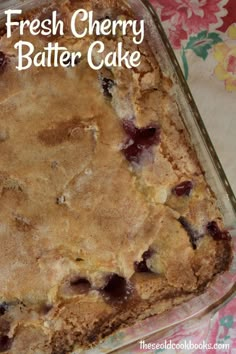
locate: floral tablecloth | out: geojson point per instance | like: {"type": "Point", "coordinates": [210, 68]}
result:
{"type": "Point", "coordinates": [203, 35]}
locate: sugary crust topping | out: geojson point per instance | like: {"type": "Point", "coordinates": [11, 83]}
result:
{"type": "Point", "coordinates": [84, 199]}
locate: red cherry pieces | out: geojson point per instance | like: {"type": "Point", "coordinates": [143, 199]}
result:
{"type": "Point", "coordinates": [139, 140]}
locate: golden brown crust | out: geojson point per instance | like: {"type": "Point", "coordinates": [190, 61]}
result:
{"type": "Point", "coordinates": [75, 212]}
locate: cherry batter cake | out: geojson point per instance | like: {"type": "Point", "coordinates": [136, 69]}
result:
{"type": "Point", "coordinates": [106, 215]}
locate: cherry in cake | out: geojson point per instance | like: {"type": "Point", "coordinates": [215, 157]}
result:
{"type": "Point", "coordinates": [139, 140]}
{"type": "Point", "coordinates": [141, 267]}
{"type": "Point", "coordinates": [218, 235]}
{"type": "Point", "coordinates": [5, 343]}
{"type": "Point", "coordinates": [117, 289]}
{"type": "Point", "coordinates": [183, 189]}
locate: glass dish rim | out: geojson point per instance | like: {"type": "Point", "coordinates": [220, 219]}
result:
{"type": "Point", "coordinates": [215, 306]}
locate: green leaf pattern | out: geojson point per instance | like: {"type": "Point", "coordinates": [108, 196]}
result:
{"type": "Point", "coordinates": [200, 45]}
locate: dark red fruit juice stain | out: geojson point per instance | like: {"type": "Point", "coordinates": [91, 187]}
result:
{"type": "Point", "coordinates": [5, 343]}
{"type": "Point", "coordinates": [140, 139]}
{"type": "Point", "coordinates": [141, 267]}
{"type": "Point", "coordinates": [117, 289]}
{"type": "Point", "coordinates": [217, 234]}
{"type": "Point", "coordinates": [183, 189]}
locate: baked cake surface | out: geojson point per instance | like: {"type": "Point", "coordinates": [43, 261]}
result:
{"type": "Point", "coordinates": [106, 217]}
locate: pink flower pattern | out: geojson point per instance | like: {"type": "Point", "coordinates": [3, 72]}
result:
{"type": "Point", "coordinates": [185, 17]}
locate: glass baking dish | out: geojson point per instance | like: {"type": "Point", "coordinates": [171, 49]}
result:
{"type": "Point", "coordinates": [223, 288]}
